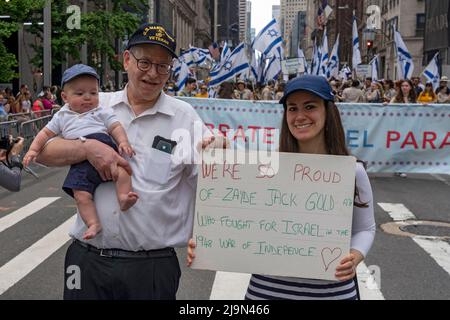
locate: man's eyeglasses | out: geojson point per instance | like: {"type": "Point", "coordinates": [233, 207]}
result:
{"type": "Point", "coordinates": [144, 65]}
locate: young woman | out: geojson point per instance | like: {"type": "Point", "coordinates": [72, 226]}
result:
{"type": "Point", "coordinates": [427, 96]}
{"type": "Point", "coordinates": [406, 94]}
{"type": "Point", "coordinates": [312, 124]}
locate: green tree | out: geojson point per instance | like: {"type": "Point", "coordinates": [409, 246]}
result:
{"type": "Point", "coordinates": [101, 28]}
{"type": "Point", "coordinates": [19, 12]}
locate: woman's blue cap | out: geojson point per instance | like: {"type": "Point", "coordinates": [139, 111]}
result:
{"type": "Point", "coordinates": [316, 85]}
{"type": "Point", "coordinates": [76, 71]}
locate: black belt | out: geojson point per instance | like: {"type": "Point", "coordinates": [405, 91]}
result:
{"type": "Point", "coordinates": [118, 253]}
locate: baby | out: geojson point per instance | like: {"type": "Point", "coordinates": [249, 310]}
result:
{"type": "Point", "coordinates": [82, 118]}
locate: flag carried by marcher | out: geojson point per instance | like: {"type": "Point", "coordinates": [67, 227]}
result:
{"type": "Point", "coordinates": [236, 63]}
{"type": "Point", "coordinates": [333, 65]}
{"type": "Point", "coordinates": [301, 56]}
{"type": "Point", "coordinates": [345, 73]}
{"type": "Point", "coordinates": [181, 73]}
{"type": "Point", "coordinates": [405, 64]}
{"type": "Point", "coordinates": [375, 66]}
{"type": "Point", "coordinates": [431, 72]}
{"type": "Point", "coordinates": [356, 60]}
{"type": "Point", "coordinates": [325, 56]}
{"type": "Point", "coordinates": [269, 39]}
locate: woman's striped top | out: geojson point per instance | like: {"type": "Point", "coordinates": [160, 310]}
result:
{"type": "Point", "coordinates": [363, 234]}
{"type": "Point", "coordinates": [281, 288]}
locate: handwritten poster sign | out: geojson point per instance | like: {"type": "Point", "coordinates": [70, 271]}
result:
{"type": "Point", "coordinates": [290, 216]}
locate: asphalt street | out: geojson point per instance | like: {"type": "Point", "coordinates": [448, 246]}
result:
{"type": "Point", "coordinates": [408, 271]}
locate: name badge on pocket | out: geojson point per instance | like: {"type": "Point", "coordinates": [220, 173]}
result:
{"type": "Point", "coordinates": [164, 145]}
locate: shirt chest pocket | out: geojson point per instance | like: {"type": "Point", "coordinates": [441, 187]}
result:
{"type": "Point", "coordinates": [158, 166]}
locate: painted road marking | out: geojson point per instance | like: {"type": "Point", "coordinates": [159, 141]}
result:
{"type": "Point", "coordinates": [17, 268]}
{"type": "Point", "coordinates": [397, 211]}
{"type": "Point", "coordinates": [24, 212]}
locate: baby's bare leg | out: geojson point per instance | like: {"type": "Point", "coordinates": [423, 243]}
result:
{"type": "Point", "coordinates": [126, 197]}
{"type": "Point", "coordinates": [88, 213]}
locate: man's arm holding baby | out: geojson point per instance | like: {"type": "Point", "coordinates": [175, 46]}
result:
{"type": "Point", "coordinates": [60, 153]}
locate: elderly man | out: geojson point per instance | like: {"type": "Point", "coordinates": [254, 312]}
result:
{"type": "Point", "coordinates": [134, 257]}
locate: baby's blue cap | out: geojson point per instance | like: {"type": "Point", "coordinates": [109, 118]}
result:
{"type": "Point", "coordinates": [76, 71]}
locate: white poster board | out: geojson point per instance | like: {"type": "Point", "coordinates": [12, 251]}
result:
{"type": "Point", "coordinates": [293, 221]}
{"type": "Point", "coordinates": [293, 66]}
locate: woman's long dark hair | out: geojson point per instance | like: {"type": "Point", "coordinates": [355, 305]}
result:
{"type": "Point", "coordinates": [400, 98]}
{"type": "Point", "coordinates": [334, 139]}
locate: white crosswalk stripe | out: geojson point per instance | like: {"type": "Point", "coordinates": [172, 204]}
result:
{"type": "Point", "coordinates": [439, 250]}
{"type": "Point", "coordinates": [28, 260]}
{"type": "Point", "coordinates": [24, 212]}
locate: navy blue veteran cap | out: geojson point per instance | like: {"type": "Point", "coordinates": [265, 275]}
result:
{"type": "Point", "coordinates": [316, 85]}
{"type": "Point", "coordinates": [152, 33]}
{"type": "Point", "coordinates": [76, 71]}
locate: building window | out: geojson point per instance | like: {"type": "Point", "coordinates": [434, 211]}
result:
{"type": "Point", "coordinates": [420, 25]}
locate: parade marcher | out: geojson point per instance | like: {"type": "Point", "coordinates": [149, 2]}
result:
{"type": "Point", "coordinates": [268, 93]}
{"type": "Point", "coordinates": [374, 94]}
{"type": "Point", "coordinates": [189, 89]}
{"type": "Point", "coordinates": [418, 86]}
{"type": "Point", "coordinates": [10, 164]}
{"type": "Point", "coordinates": [203, 94]}
{"type": "Point", "coordinates": [443, 86]}
{"type": "Point", "coordinates": [279, 92]}
{"type": "Point", "coordinates": [443, 95]}
{"type": "Point", "coordinates": [83, 118]}
{"type": "Point", "coordinates": [406, 94]}
{"type": "Point", "coordinates": [389, 91]}
{"type": "Point", "coordinates": [427, 96]}
{"type": "Point", "coordinates": [134, 257]}
{"type": "Point", "coordinates": [242, 93]}
{"type": "Point", "coordinates": [312, 124]}
{"type": "Point", "coordinates": [226, 91]}
{"type": "Point", "coordinates": [353, 94]}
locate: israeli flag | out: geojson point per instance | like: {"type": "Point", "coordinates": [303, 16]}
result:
{"type": "Point", "coordinates": [237, 63]}
{"type": "Point", "coordinates": [301, 56]}
{"type": "Point", "coordinates": [317, 57]}
{"type": "Point", "coordinates": [199, 56]}
{"type": "Point", "coordinates": [405, 64]}
{"type": "Point", "coordinates": [273, 68]}
{"type": "Point", "coordinates": [431, 72]}
{"type": "Point", "coordinates": [325, 56]}
{"type": "Point", "coordinates": [254, 65]}
{"type": "Point", "coordinates": [333, 65]}
{"type": "Point", "coordinates": [345, 73]}
{"type": "Point", "coordinates": [269, 39]}
{"type": "Point", "coordinates": [375, 66]}
{"type": "Point", "coordinates": [181, 73]}
{"type": "Point", "coordinates": [356, 60]}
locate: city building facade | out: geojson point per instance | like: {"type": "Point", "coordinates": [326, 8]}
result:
{"type": "Point", "coordinates": [408, 17]}
{"type": "Point", "coordinates": [437, 36]}
{"type": "Point", "coordinates": [288, 16]}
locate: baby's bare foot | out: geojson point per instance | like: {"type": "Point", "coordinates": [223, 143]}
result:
{"type": "Point", "coordinates": [92, 231]}
{"type": "Point", "coordinates": [126, 201]}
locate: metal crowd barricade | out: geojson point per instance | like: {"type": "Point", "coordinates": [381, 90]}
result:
{"type": "Point", "coordinates": [10, 128]}
{"type": "Point", "coordinates": [29, 129]}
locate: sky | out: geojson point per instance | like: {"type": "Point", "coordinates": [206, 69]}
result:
{"type": "Point", "coordinates": [262, 13]}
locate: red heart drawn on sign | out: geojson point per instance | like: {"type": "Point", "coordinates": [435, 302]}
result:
{"type": "Point", "coordinates": [329, 256]}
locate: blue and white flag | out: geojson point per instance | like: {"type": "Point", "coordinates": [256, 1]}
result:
{"type": "Point", "coordinates": [325, 55]}
{"type": "Point", "coordinates": [356, 60]}
{"type": "Point", "coordinates": [345, 73]}
{"type": "Point", "coordinates": [254, 65]}
{"type": "Point", "coordinates": [181, 72]}
{"type": "Point", "coordinates": [301, 56]}
{"type": "Point", "coordinates": [405, 64]}
{"type": "Point", "coordinates": [317, 57]}
{"type": "Point", "coordinates": [273, 69]}
{"type": "Point", "coordinates": [375, 66]}
{"type": "Point", "coordinates": [236, 63]}
{"type": "Point", "coordinates": [431, 72]}
{"type": "Point", "coordinates": [200, 56]}
{"type": "Point", "coordinates": [269, 39]}
{"type": "Point", "coordinates": [333, 65]}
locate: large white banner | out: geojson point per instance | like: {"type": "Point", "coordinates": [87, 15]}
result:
{"type": "Point", "coordinates": [287, 215]}
{"type": "Point", "coordinates": [395, 138]}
